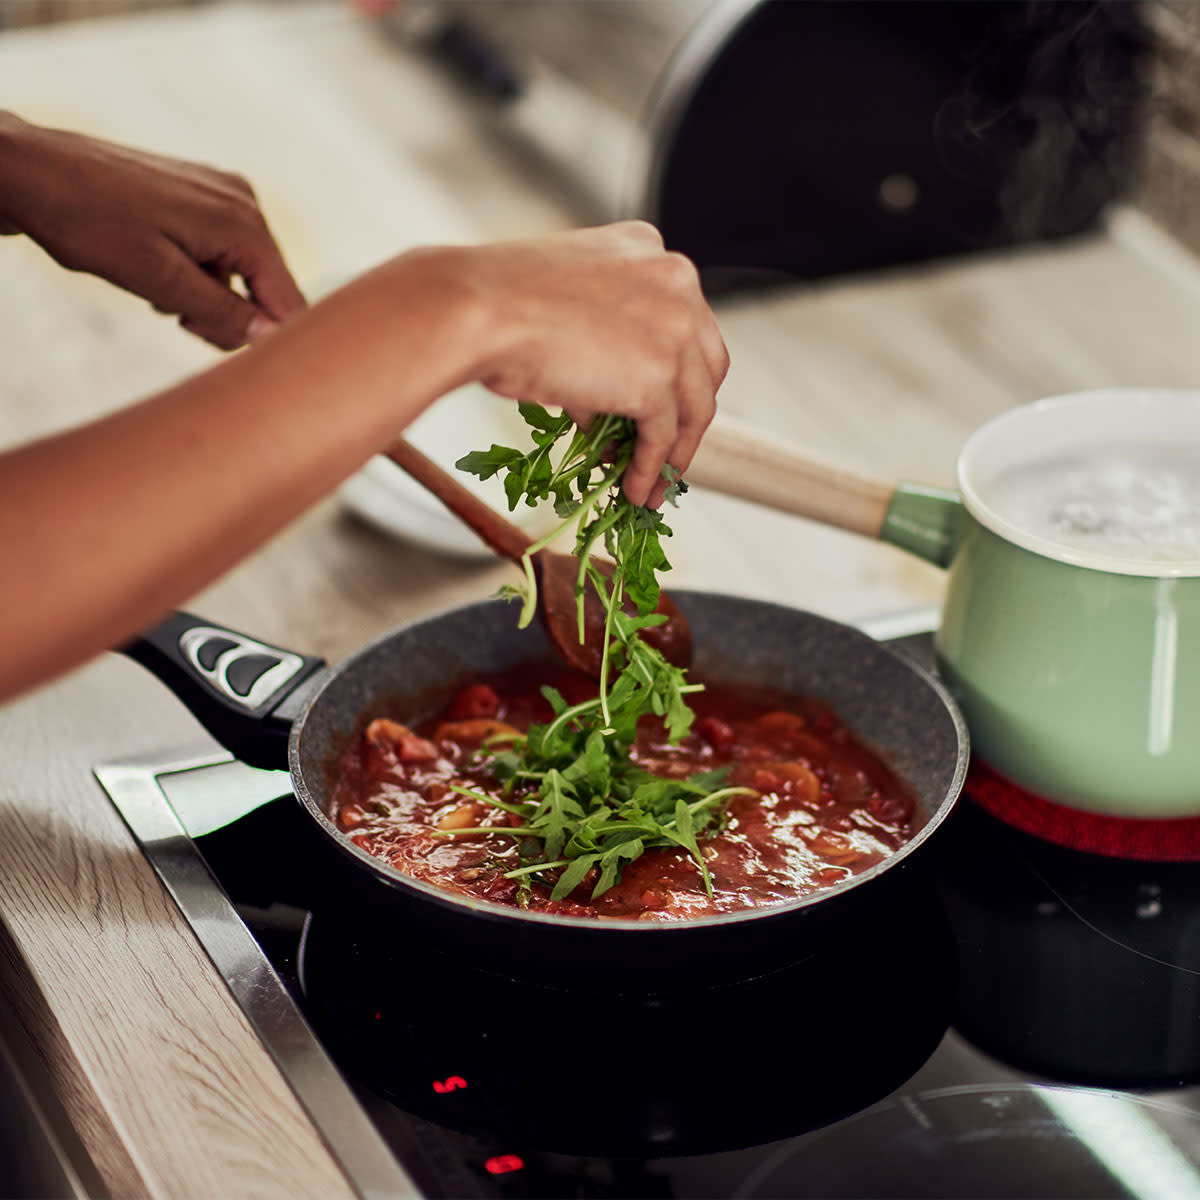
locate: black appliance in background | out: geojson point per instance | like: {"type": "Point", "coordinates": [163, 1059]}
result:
{"type": "Point", "coordinates": [829, 136]}
{"type": "Point", "coordinates": [793, 139]}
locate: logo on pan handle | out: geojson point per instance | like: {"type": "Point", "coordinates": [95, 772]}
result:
{"type": "Point", "coordinates": [244, 671]}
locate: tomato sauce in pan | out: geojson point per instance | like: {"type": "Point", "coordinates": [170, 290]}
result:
{"type": "Point", "coordinates": [823, 806]}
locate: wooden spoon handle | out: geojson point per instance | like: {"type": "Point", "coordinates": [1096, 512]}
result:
{"type": "Point", "coordinates": [741, 461]}
{"type": "Point", "coordinates": [506, 538]}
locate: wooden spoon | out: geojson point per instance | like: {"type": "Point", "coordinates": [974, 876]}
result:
{"type": "Point", "coordinates": [555, 573]}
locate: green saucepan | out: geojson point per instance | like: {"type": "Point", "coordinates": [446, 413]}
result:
{"type": "Point", "coordinates": [1070, 632]}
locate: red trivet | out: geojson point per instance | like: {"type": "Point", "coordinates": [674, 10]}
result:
{"type": "Point", "coordinates": [1175, 839]}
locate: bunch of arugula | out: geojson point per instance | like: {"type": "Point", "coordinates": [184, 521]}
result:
{"type": "Point", "coordinates": [582, 804]}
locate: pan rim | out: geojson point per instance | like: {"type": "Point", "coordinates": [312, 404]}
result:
{"type": "Point", "coordinates": [612, 926]}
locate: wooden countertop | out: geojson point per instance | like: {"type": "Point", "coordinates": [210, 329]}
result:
{"type": "Point", "coordinates": [358, 150]}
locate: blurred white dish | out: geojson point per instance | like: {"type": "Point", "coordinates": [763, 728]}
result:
{"type": "Point", "coordinates": [471, 418]}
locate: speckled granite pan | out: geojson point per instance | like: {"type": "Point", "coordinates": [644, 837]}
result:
{"type": "Point", "coordinates": [898, 709]}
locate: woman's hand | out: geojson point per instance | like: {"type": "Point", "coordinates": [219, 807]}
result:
{"type": "Point", "coordinates": [175, 233]}
{"type": "Point", "coordinates": [597, 321]}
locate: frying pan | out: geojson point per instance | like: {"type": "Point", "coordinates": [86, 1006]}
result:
{"type": "Point", "coordinates": [271, 706]}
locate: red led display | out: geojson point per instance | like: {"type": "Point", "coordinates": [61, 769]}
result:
{"type": "Point", "coordinates": [504, 1164]}
{"type": "Point", "coordinates": [451, 1083]}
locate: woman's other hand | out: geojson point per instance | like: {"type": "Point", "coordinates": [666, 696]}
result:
{"type": "Point", "coordinates": [189, 239]}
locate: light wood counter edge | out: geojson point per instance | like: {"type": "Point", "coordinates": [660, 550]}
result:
{"type": "Point", "coordinates": [166, 1085]}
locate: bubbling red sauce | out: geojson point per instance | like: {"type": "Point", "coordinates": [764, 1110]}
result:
{"type": "Point", "coordinates": [822, 806]}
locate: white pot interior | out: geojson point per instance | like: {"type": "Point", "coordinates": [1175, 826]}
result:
{"type": "Point", "coordinates": [1107, 479]}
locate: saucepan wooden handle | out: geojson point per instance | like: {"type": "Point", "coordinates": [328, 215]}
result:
{"type": "Point", "coordinates": [741, 461]}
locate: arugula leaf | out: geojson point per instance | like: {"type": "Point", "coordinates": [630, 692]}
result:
{"type": "Point", "coordinates": [485, 463]}
{"type": "Point", "coordinates": [572, 877]}
{"type": "Point", "coordinates": [584, 806]}
{"type": "Point", "coordinates": [536, 417]}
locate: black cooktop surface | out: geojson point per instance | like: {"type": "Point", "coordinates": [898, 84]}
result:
{"type": "Point", "coordinates": [917, 1056]}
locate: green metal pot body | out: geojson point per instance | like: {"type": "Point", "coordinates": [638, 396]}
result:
{"type": "Point", "coordinates": [1082, 686]}
{"type": "Point", "coordinates": [1078, 676]}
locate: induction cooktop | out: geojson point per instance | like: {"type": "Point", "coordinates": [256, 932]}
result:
{"type": "Point", "coordinates": [1020, 1020]}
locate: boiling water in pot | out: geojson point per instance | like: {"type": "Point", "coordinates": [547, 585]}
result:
{"type": "Point", "coordinates": [1132, 503]}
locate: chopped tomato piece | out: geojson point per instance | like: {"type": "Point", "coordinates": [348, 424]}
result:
{"type": "Point", "coordinates": [406, 745]}
{"type": "Point", "coordinates": [475, 700]}
{"type": "Point", "coordinates": [462, 817]}
{"type": "Point", "coordinates": [792, 778]}
{"type": "Point", "coordinates": [478, 729]}
{"type": "Point", "coordinates": [717, 733]}
{"type": "Point", "coordinates": [790, 733]}
{"type": "Point", "coordinates": [383, 730]}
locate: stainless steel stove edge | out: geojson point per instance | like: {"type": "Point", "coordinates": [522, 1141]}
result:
{"type": "Point", "coordinates": [135, 789]}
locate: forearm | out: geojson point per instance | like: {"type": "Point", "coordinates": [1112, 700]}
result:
{"type": "Point", "coordinates": [105, 528]}
{"type": "Point", "coordinates": [13, 132]}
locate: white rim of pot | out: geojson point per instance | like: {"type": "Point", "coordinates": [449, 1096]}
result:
{"type": "Point", "coordinates": [1106, 413]}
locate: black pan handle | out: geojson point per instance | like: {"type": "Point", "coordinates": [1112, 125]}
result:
{"type": "Point", "coordinates": [246, 693]}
